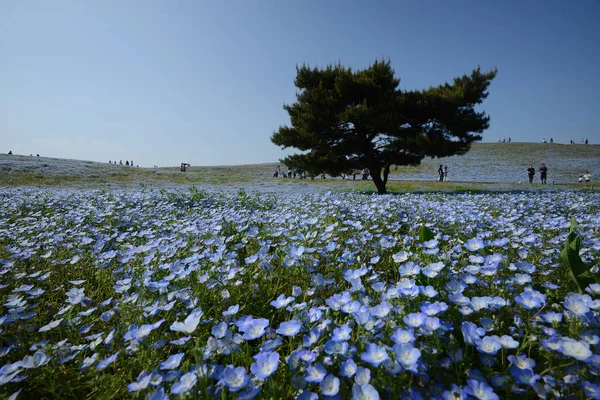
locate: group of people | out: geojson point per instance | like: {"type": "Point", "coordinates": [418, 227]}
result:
{"type": "Point", "coordinates": [504, 140]}
{"type": "Point", "coordinates": [585, 178]}
{"type": "Point", "coordinates": [10, 153]}
{"type": "Point", "coordinates": [586, 141]}
{"type": "Point", "coordinates": [543, 173]}
{"type": "Point", "coordinates": [127, 162]}
{"type": "Point", "coordinates": [292, 174]}
{"type": "Point", "coordinates": [442, 173]}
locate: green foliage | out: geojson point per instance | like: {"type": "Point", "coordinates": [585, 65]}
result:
{"type": "Point", "coordinates": [569, 258]}
{"type": "Point", "coordinates": [347, 120]}
{"type": "Point", "coordinates": [426, 234]}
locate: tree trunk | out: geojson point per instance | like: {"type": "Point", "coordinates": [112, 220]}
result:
{"type": "Point", "coordinates": [386, 173]}
{"type": "Point", "coordinates": [377, 180]}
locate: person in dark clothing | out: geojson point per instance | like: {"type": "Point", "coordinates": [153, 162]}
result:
{"type": "Point", "coordinates": [440, 173]}
{"type": "Point", "coordinates": [543, 173]}
{"type": "Point", "coordinates": [531, 173]}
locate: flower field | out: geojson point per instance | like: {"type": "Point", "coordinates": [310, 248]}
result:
{"type": "Point", "coordinates": [229, 295]}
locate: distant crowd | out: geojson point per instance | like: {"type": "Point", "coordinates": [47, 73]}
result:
{"type": "Point", "coordinates": [127, 162]}
{"type": "Point", "coordinates": [544, 140]}
{"type": "Point", "coordinates": [583, 141]}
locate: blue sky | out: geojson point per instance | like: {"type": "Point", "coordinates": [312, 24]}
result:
{"type": "Point", "coordinates": [162, 82]}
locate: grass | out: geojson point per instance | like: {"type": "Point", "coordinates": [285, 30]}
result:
{"type": "Point", "coordinates": [487, 167]}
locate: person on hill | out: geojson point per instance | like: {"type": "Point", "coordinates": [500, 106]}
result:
{"type": "Point", "coordinates": [551, 140]}
{"type": "Point", "coordinates": [126, 162]}
{"type": "Point", "coordinates": [440, 173]}
{"type": "Point", "coordinates": [445, 172]}
{"type": "Point", "coordinates": [587, 177]}
{"type": "Point", "coordinates": [543, 173]}
{"type": "Point", "coordinates": [10, 153]}
{"type": "Point", "coordinates": [586, 141]}
{"type": "Point", "coordinates": [365, 174]}
{"type": "Point", "coordinates": [530, 173]}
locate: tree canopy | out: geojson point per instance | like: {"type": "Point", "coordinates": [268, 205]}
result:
{"type": "Point", "coordinates": [345, 120]}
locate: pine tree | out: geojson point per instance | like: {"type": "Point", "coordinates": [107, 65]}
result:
{"type": "Point", "coordinates": [345, 120]}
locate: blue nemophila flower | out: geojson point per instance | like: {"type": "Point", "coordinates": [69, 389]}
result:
{"type": "Point", "coordinates": [234, 378]}
{"type": "Point", "coordinates": [577, 349]}
{"type": "Point", "coordinates": [428, 291]}
{"type": "Point", "coordinates": [219, 330]}
{"type": "Point", "coordinates": [591, 390]}
{"type": "Point", "coordinates": [107, 361]}
{"type": "Point", "coordinates": [552, 317]}
{"type": "Point", "coordinates": [281, 301]}
{"type": "Point", "coordinates": [489, 345]}
{"type": "Point", "coordinates": [471, 333]}
{"type": "Point", "coordinates": [351, 307]}
{"type": "Point", "coordinates": [530, 299]}
{"type": "Point", "coordinates": [593, 288]}
{"type": "Point", "coordinates": [508, 342]}
{"type": "Point", "coordinates": [414, 320]}
{"type": "Point", "coordinates": [454, 393]}
{"type": "Point", "coordinates": [336, 301]}
{"type": "Point", "coordinates": [401, 336]}
{"type": "Point", "coordinates": [37, 360]}
{"type": "Point", "coordinates": [185, 384]}
{"type": "Point", "coordinates": [348, 368]}
{"type": "Point", "coordinates": [142, 331]}
{"type": "Point", "coordinates": [89, 361]}
{"type": "Point", "coordinates": [172, 362]}
{"type": "Point", "coordinates": [474, 244]}
{"type": "Point", "coordinates": [315, 373]}
{"type": "Point", "coordinates": [577, 304]}
{"type": "Point", "coordinates": [265, 365]}
{"type": "Point", "coordinates": [314, 314]}
{"type": "Point", "coordinates": [401, 256]}
{"type": "Point", "coordinates": [409, 269]}
{"type": "Point", "coordinates": [362, 376]}
{"type": "Point", "coordinates": [381, 310]}
{"type": "Point", "coordinates": [231, 311]}
{"type": "Point", "coordinates": [289, 328]}
{"type": "Point", "coordinates": [190, 324]}
{"type": "Point", "coordinates": [480, 390]}
{"type": "Point", "coordinates": [430, 309]}
{"type": "Point", "coordinates": [312, 337]}
{"type": "Point", "coordinates": [364, 392]}
{"type": "Point", "coordinates": [407, 355]}
{"type": "Point", "coordinates": [330, 385]}
{"type": "Point", "coordinates": [51, 325]}
{"type": "Point", "coordinates": [336, 347]}
{"type": "Point", "coordinates": [342, 333]}
{"type": "Point", "coordinates": [374, 355]}
{"type": "Point", "coordinates": [252, 328]}
{"type": "Point", "coordinates": [431, 324]}
{"type": "Point", "coordinates": [524, 376]}
{"type": "Point", "coordinates": [142, 382]}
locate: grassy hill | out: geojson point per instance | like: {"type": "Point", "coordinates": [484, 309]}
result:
{"type": "Point", "coordinates": [488, 166]}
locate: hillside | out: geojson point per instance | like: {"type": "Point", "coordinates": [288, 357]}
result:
{"type": "Point", "coordinates": [499, 164]}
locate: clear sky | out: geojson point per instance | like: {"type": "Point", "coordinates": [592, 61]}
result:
{"type": "Point", "coordinates": [163, 82]}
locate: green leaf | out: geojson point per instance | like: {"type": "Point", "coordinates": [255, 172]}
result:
{"type": "Point", "coordinates": [573, 224]}
{"type": "Point", "coordinates": [573, 241]}
{"type": "Point", "coordinates": [425, 234]}
{"type": "Point", "coordinates": [569, 258]}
